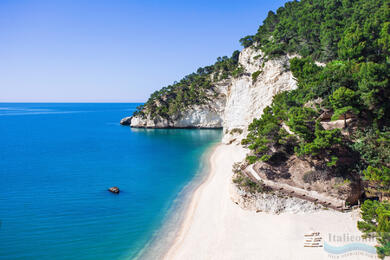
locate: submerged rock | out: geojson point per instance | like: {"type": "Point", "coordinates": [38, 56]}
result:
{"type": "Point", "coordinates": [126, 121]}
{"type": "Point", "coordinates": [114, 190]}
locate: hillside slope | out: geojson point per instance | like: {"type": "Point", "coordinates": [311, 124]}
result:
{"type": "Point", "coordinates": [309, 95]}
{"type": "Point", "coordinates": [233, 102]}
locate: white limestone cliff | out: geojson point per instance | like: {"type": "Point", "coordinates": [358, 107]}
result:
{"type": "Point", "coordinates": [238, 100]}
{"type": "Point", "coordinates": [246, 98]}
{"type": "Point", "coordinates": [205, 116]}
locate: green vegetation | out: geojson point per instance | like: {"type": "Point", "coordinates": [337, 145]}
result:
{"type": "Point", "coordinates": [380, 175]}
{"type": "Point", "coordinates": [194, 89]}
{"type": "Point", "coordinates": [265, 133]}
{"type": "Point", "coordinates": [325, 30]}
{"type": "Point", "coordinates": [236, 130]}
{"type": "Point", "coordinates": [376, 223]}
{"type": "Point", "coordinates": [343, 101]}
{"type": "Point", "coordinates": [373, 147]}
{"type": "Point", "coordinates": [245, 183]}
{"type": "Point", "coordinates": [322, 144]}
{"type": "Point", "coordinates": [353, 38]}
{"type": "Point", "coordinates": [255, 75]}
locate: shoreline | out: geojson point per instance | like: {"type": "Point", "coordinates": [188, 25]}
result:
{"type": "Point", "coordinates": [189, 211]}
{"type": "Point", "coordinates": [164, 237]}
{"type": "Point", "coordinates": [213, 227]}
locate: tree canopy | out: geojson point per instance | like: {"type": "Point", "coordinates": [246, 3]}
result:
{"type": "Point", "coordinates": [352, 37]}
{"type": "Point", "coordinates": [194, 89]}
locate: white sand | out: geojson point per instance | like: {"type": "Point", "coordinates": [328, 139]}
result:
{"type": "Point", "coordinates": [216, 228]}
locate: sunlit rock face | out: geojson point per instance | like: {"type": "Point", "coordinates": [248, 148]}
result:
{"type": "Point", "coordinates": [196, 117]}
{"type": "Point", "coordinates": [237, 100]}
{"type": "Point", "coordinates": [247, 97]}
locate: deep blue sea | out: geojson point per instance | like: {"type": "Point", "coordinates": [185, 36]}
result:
{"type": "Point", "coordinates": [56, 163]}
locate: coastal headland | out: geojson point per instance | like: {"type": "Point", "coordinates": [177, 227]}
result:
{"type": "Point", "coordinates": [308, 97]}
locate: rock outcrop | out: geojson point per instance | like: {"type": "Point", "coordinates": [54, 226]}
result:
{"type": "Point", "coordinates": [126, 121]}
{"type": "Point", "coordinates": [271, 202]}
{"type": "Point", "coordinates": [247, 97]}
{"type": "Point", "coordinates": [206, 116]}
{"type": "Point", "coordinates": [236, 101]}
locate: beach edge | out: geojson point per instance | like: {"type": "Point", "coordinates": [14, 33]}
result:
{"type": "Point", "coordinates": [165, 237]}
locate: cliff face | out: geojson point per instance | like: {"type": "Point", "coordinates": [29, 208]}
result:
{"type": "Point", "coordinates": [247, 95]}
{"type": "Point", "coordinates": [205, 116]}
{"type": "Point", "coordinates": [236, 101]}
{"type": "Point", "coordinates": [209, 115]}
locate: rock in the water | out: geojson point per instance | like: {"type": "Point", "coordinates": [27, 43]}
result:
{"type": "Point", "coordinates": [126, 121]}
{"type": "Point", "coordinates": [234, 102]}
{"type": "Point", "coordinates": [114, 189]}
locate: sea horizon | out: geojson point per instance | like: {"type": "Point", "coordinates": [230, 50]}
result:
{"type": "Point", "coordinates": [57, 163]}
{"type": "Point", "coordinates": [72, 102]}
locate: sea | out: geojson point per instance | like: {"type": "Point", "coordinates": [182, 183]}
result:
{"type": "Point", "coordinates": [57, 161]}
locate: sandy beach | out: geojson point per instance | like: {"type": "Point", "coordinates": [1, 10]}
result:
{"type": "Point", "coordinates": [216, 228]}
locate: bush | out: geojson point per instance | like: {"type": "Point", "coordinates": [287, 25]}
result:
{"type": "Point", "coordinates": [238, 71]}
{"type": "Point", "coordinates": [380, 175]}
{"type": "Point", "coordinates": [313, 176]}
{"type": "Point", "coordinates": [373, 147]}
{"type": "Point", "coordinates": [333, 161]}
{"type": "Point", "coordinates": [376, 223]}
{"type": "Point", "coordinates": [247, 184]}
{"type": "Point", "coordinates": [255, 75]}
{"type": "Point", "coordinates": [323, 141]}
{"type": "Point", "coordinates": [301, 121]}
{"type": "Point", "coordinates": [251, 159]}
{"type": "Point", "coordinates": [265, 158]}
{"type": "Point", "coordinates": [236, 130]}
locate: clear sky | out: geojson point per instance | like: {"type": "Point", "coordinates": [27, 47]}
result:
{"type": "Point", "coordinates": [113, 50]}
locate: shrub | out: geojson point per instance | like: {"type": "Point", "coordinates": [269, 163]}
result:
{"type": "Point", "coordinates": [333, 161]}
{"type": "Point", "coordinates": [247, 184]}
{"type": "Point", "coordinates": [376, 223]}
{"type": "Point", "coordinates": [312, 176]}
{"type": "Point", "coordinates": [301, 121]}
{"type": "Point", "coordinates": [236, 130]}
{"type": "Point", "coordinates": [324, 140]}
{"type": "Point", "coordinates": [255, 75]}
{"type": "Point", "coordinates": [251, 159]}
{"type": "Point", "coordinates": [238, 71]}
{"type": "Point", "coordinates": [380, 175]}
{"type": "Point", "coordinates": [265, 157]}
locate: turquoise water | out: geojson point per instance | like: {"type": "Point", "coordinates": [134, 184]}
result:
{"type": "Point", "coordinates": [56, 163]}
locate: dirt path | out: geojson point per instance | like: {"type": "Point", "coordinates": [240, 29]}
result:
{"type": "Point", "coordinates": [313, 196]}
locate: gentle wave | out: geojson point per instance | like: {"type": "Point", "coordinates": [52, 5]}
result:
{"type": "Point", "coordinates": [23, 109]}
{"type": "Point", "coordinates": [40, 113]}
